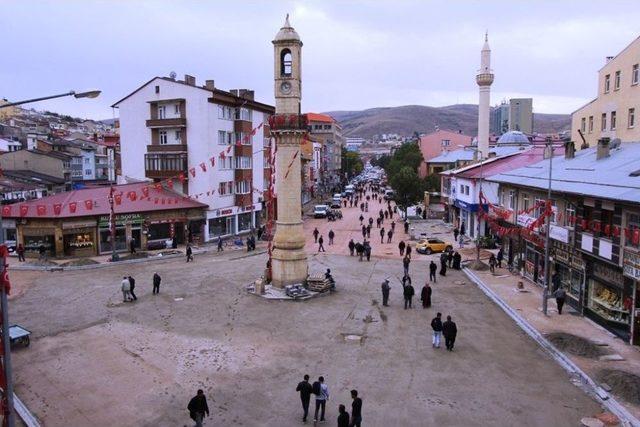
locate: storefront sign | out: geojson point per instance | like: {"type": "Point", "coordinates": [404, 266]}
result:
{"type": "Point", "coordinates": [607, 274]}
{"type": "Point", "coordinates": [121, 219]}
{"type": "Point", "coordinates": [78, 224]}
{"type": "Point", "coordinates": [559, 233]}
{"type": "Point", "coordinates": [567, 256]}
{"type": "Point", "coordinates": [469, 207]}
{"type": "Point", "coordinates": [631, 264]}
{"type": "Point", "coordinates": [525, 220]}
{"type": "Point", "coordinates": [8, 223]}
{"type": "Point", "coordinates": [167, 220]}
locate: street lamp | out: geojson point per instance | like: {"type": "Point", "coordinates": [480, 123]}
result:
{"type": "Point", "coordinates": [85, 94]}
{"type": "Point", "coordinates": [477, 265]}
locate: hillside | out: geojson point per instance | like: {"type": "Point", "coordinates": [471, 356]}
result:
{"type": "Point", "coordinates": [408, 119]}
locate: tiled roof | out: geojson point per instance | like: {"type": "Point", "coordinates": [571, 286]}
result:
{"type": "Point", "coordinates": [315, 117]}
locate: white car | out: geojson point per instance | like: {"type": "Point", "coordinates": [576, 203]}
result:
{"type": "Point", "coordinates": [320, 211]}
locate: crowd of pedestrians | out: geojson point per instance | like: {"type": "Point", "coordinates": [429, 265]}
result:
{"type": "Point", "coordinates": [320, 391]}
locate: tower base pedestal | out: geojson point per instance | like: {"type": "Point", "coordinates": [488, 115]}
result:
{"type": "Point", "coordinates": [288, 267]}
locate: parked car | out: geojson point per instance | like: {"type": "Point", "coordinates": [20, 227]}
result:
{"type": "Point", "coordinates": [11, 246]}
{"type": "Point", "coordinates": [320, 211]}
{"type": "Point", "coordinates": [429, 246]}
{"type": "Point", "coordinates": [389, 195]}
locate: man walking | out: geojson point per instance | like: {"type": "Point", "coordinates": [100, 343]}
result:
{"type": "Point", "coordinates": [189, 253]}
{"type": "Point", "coordinates": [132, 286]}
{"type": "Point", "coordinates": [443, 264]}
{"type": "Point", "coordinates": [321, 244]}
{"type": "Point", "coordinates": [500, 257]}
{"type": "Point", "coordinates": [385, 292]}
{"type": "Point", "coordinates": [352, 247]}
{"type": "Point", "coordinates": [449, 330]}
{"type": "Point", "coordinates": [126, 289]}
{"type": "Point", "coordinates": [436, 325]}
{"type": "Point", "coordinates": [156, 283]}
{"type": "Point", "coordinates": [321, 391]}
{"type": "Point", "coordinates": [455, 234]}
{"type": "Point", "coordinates": [343, 416]}
{"type": "Point", "coordinates": [305, 390]}
{"type": "Point", "coordinates": [220, 249]}
{"type": "Point", "coordinates": [408, 295]}
{"type": "Point", "coordinates": [369, 231]}
{"type": "Point", "coordinates": [401, 247]}
{"type": "Point", "coordinates": [132, 245]}
{"type": "Point", "coordinates": [425, 295]}
{"type": "Point", "coordinates": [198, 408]}
{"type": "Point", "coordinates": [331, 236]}
{"type": "Point", "coordinates": [405, 263]}
{"type": "Point", "coordinates": [406, 227]}
{"type": "Point", "coordinates": [367, 250]}
{"type": "Point", "coordinates": [408, 250]}
{"type": "Point", "coordinates": [389, 235]}
{"type": "Point", "coordinates": [315, 234]}
{"type": "Point", "coordinates": [356, 409]}
{"type": "Point", "coordinates": [560, 294]}
{"type": "Point", "coordinates": [382, 235]}
{"type": "Point", "coordinates": [432, 271]}
{"type": "Point", "coordinates": [492, 263]}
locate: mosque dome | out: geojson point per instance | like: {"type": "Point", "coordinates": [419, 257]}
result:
{"type": "Point", "coordinates": [287, 32]}
{"type": "Point", "coordinates": [513, 137]}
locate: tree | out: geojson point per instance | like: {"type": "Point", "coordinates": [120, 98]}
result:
{"type": "Point", "coordinates": [382, 161]}
{"type": "Point", "coordinates": [432, 182]}
{"type": "Point", "coordinates": [408, 155]}
{"type": "Point", "coordinates": [351, 163]}
{"type": "Point", "coordinates": [408, 187]}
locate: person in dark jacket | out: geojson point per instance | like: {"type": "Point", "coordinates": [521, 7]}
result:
{"type": "Point", "coordinates": [356, 409]}
{"type": "Point", "coordinates": [331, 236]}
{"type": "Point", "coordinates": [352, 247]}
{"type": "Point", "coordinates": [385, 292]}
{"type": "Point", "coordinates": [492, 263]}
{"type": "Point", "coordinates": [401, 247]}
{"type": "Point", "coordinates": [359, 250]}
{"type": "Point", "coordinates": [156, 283]}
{"type": "Point", "coordinates": [455, 234]}
{"type": "Point", "coordinates": [450, 258]}
{"type": "Point", "coordinates": [321, 244]}
{"type": "Point", "coordinates": [364, 231]}
{"type": "Point", "coordinates": [189, 253]}
{"type": "Point", "coordinates": [343, 416]}
{"type": "Point", "coordinates": [560, 294]}
{"type": "Point", "coordinates": [389, 236]}
{"type": "Point", "coordinates": [198, 407]}
{"type": "Point", "coordinates": [132, 245]}
{"type": "Point", "coordinates": [405, 263]}
{"type": "Point", "coordinates": [367, 250]}
{"type": "Point", "coordinates": [463, 229]}
{"type": "Point", "coordinates": [406, 227]}
{"type": "Point", "coordinates": [408, 295]}
{"type": "Point", "coordinates": [305, 390]}
{"type": "Point", "coordinates": [457, 259]}
{"type": "Point", "coordinates": [408, 250]}
{"type": "Point", "coordinates": [449, 330]}
{"type": "Point", "coordinates": [436, 325]}
{"type": "Point", "coordinates": [20, 251]}
{"type": "Point", "coordinates": [500, 257]}
{"type": "Point", "coordinates": [315, 234]}
{"type": "Point", "coordinates": [382, 235]}
{"type": "Point", "coordinates": [425, 296]}
{"type": "Point", "coordinates": [132, 281]}
{"type": "Point", "coordinates": [432, 271]}
{"type": "Point", "coordinates": [220, 245]}
{"type": "Point", "coordinates": [443, 264]}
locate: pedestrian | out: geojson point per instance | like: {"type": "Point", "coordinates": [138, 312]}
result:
{"type": "Point", "coordinates": [378, 222]}
{"type": "Point", "coordinates": [126, 289]}
{"type": "Point", "coordinates": [389, 236]}
{"type": "Point", "coordinates": [20, 251]}
{"type": "Point", "coordinates": [248, 244]}
{"type": "Point", "coordinates": [367, 250]}
{"type": "Point", "coordinates": [406, 227]}
{"type": "Point", "coordinates": [361, 219]}
{"type": "Point", "coordinates": [500, 257]}
{"type": "Point", "coordinates": [455, 234]}
{"type": "Point", "coordinates": [321, 391]}
{"type": "Point", "coordinates": [386, 214]}
{"type": "Point", "coordinates": [220, 248]}
{"type": "Point", "coordinates": [492, 263]}
{"type": "Point", "coordinates": [350, 203]}
{"type": "Point", "coordinates": [362, 207]}
{"type": "Point", "coordinates": [432, 271]}
{"type": "Point", "coordinates": [405, 263]}
{"type": "Point", "coordinates": [382, 235]}
{"type": "Point", "coordinates": [364, 232]}
{"type": "Point", "coordinates": [463, 229]}
{"type": "Point", "coordinates": [356, 409]}
{"type": "Point", "coordinates": [331, 236]}
{"type": "Point", "coordinates": [401, 247]}
{"type": "Point", "coordinates": [305, 390]}
{"type": "Point", "coordinates": [385, 292]}
{"type": "Point", "coordinates": [443, 266]}
{"type": "Point", "coordinates": [132, 245]}
{"type": "Point", "coordinates": [343, 416]}
{"type": "Point", "coordinates": [370, 221]}
{"type": "Point", "coordinates": [406, 279]}
{"type": "Point", "coordinates": [366, 206]}
{"type": "Point", "coordinates": [461, 241]}
{"type": "Point", "coordinates": [198, 408]}
{"type": "Point", "coordinates": [315, 234]}
{"type": "Point", "coordinates": [42, 253]}
{"type": "Point", "coordinates": [436, 325]}
{"type": "Point", "coordinates": [320, 244]}
{"type": "Point", "coordinates": [344, 203]}
{"type": "Point", "coordinates": [425, 295]}
{"type": "Point", "coordinates": [408, 250]}
{"type": "Point", "coordinates": [369, 231]}
{"type": "Point", "coordinates": [393, 226]}
{"type": "Point", "coordinates": [449, 330]}
{"type": "Point", "coordinates": [408, 294]}
{"type": "Point", "coordinates": [156, 283]}
{"type": "Point", "coordinates": [132, 286]}
{"type": "Point", "coordinates": [450, 258]}
{"type": "Point", "coordinates": [457, 259]}
{"type": "Point", "coordinates": [189, 253]}
{"type": "Point", "coordinates": [560, 294]}
{"type": "Point", "coordinates": [352, 246]}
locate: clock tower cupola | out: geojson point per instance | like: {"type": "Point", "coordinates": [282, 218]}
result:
{"type": "Point", "coordinates": [287, 69]}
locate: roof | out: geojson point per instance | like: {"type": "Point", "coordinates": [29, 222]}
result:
{"type": "Point", "coordinates": [506, 163]}
{"type": "Point", "coordinates": [315, 117]}
{"type": "Point", "coordinates": [36, 178]}
{"type": "Point", "coordinates": [115, 105]}
{"type": "Point", "coordinates": [287, 32]}
{"type": "Point", "coordinates": [513, 137]}
{"type": "Point", "coordinates": [608, 178]}
{"type": "Point", "coordinates": [55, 154]}
{"type": "Point", "coordinates": [467, 155]}
{"type": "Point", "coordinates": [99, 197]}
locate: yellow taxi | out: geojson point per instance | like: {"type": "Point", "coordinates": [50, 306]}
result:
{"type": "Point", "coordinates": [431, 245]}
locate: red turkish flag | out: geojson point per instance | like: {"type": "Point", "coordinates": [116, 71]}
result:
{"type": "Point", "coordinates": [57, 208]}
{"type": "Point", "coordinates": [222, 155]}
{"type": "Point", "coordinates": [182, 178]}
{"type": "Point", "coordinates": [212, 160]}
{"type": "Point", "coordinates": [6, 211]}
{"type": "Point", "coordinates": [616, 231]}
{"type": "Point", "coordinates": [145, 191]}
{"type": "Point", "coordinates": [118, 199]}
{"type": "Point", "coordinates": [170, 184]}
{"type": "Point", "coordinates": [73, 206]}
{"type": "Point", "coordinates": [88, 204]}
{"type": "Point", "coordinates": [228, 149]}
{"type": "Point", "coordinates": [157, 186]}
{"type": "Point", "coordinates": [607, 230]}
{"type": "Point", "coordinates": [164, 201]}
{"type": "Point", "coordinates": [203, 167]}
{"type": "Point", "coordinates": [192, 171]}
{"type": "Point", "coordinates": [41, 210]}
{"type": "Point", "coordinates": [636, 237]}
{"type": "Point", "coordinates": [596, 226]}
{"type": "Point", "coordinates": [584, 224]}
{"type": "Point", "coordinates": [4, 278]}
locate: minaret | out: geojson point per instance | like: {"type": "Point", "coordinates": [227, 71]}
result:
{"type": "Point", "coordinates": [288, 127]}
{"type": "Point", "coordinates": [484, 78]}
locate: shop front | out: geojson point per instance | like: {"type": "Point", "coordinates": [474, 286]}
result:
{"type": "Point", "coordinates": [9, 229]}
{"type": "Point", "coordinates": [79, 238]}
{"type": "Point", "coordinates": [126, 224]}
{"type": "Point", "coordinates": [223, 224]}
{"type": "Point", "coordinates": [570, 267]}
{"type": "Point", "coordinates": [609, 297]}
{"type": "Point", "coordinates": [631, 271]}
{"type": "Point", "coordinates": [533, 263]}
{"type": "Point", "coordinates": [36, 239]}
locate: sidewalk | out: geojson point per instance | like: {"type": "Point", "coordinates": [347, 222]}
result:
{"type": "Point", "coordinates": [528, 305]}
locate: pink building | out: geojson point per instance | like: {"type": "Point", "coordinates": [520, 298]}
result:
{"type": "Point", "coordinates": [436, 143]}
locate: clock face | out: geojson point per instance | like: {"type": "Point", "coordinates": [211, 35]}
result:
{"type": "Point", "coordinates": [285, 87]}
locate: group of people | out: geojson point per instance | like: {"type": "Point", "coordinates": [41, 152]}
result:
{"type": "Point", "coordinates": [408, 292]}
{"type": "Point", "coordinates": [321, 392]}
{"type": "Point", "coordinates": [128, 286]}
{"type": "Point", "coordinates": [362, 250]}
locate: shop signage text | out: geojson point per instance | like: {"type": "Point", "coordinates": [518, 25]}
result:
{"type": "Point", "coordinates": [606, 273]}
{"type": "Point", "coordinates": [631, 264]}
{"type": "Point", "coordinates": [559, 233]}
{"type": "Point", "coordinates": [121, 219]}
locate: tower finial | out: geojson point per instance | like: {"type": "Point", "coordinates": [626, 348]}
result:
{"type": "Point", "coordinates": [486, 35]}
{"type": "Point", "coordinates": [286, 22]}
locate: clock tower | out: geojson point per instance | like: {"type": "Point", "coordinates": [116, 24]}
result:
{"type": "Point", "coordinates": [288, 128]}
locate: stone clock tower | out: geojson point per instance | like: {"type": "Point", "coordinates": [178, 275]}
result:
{"type": "Point", "coordinates": [288, 127]}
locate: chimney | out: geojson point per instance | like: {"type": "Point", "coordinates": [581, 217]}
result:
{"type": "Point", "coordinates": [569, 150]}
{"type": "Point", "coordinates": [603, 148]}
{"type": "Point", "coordinates": [190, 80]}
{"type": "Point", "coordinates": [235, 92]}
{"type": "Point", "coordinates": [210, 84]}
{"type": "Point", "coordinates": [247, 94]}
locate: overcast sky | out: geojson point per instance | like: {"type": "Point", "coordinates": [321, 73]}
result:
{"type": "Point", "coordinates": [356, 54]}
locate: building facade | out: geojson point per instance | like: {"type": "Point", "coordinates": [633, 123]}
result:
{"type": "Point", "coordinates": [208, 142]}
{"type": "Point", "coordinates": [614, 111]}
{"type": "Point", "coordinates": [326, 131]}
{"type": "Point", "coordinates": [521, 115]}
{"type": "Point", "coordinates": [437, 143]}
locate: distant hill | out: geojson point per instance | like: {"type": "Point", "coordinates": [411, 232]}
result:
{"type": "Point", "coordinates": [408, 119]}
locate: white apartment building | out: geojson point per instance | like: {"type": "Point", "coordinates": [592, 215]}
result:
{"type": "Point", "coordinates": [169, 128]}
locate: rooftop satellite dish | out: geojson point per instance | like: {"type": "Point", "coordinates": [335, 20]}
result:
{"type": "Point", "coordinates": [172, 74]}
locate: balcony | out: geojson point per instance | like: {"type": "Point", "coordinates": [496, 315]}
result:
{"type": "Point", "coordinates": [167, 123]}
{"type": "Point", "coordinates": [243, 199]}
{"type": "Point", "coordinates": [167, 148]}
{"type": "Point", "coordinates": [164, 165]}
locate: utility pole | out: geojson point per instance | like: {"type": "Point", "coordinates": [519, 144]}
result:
{"type": "Point", "coordinates": [112, 224]}
{"type": "Point", "coordinates": [547, 263]}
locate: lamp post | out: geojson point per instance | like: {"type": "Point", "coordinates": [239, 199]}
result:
{"type": "Point", "coordinates": [547, 263]}
{"type": "Point", "coordinates": [85, 94]}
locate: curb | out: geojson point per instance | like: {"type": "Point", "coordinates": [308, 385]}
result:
{"type": "Point", "coordinates": [589, 385]}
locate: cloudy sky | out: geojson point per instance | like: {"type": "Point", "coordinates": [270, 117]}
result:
{"type": "Point", "coordinates": [357, 54]}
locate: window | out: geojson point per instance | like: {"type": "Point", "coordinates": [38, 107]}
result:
{"type": "Point", "coordinates": [87, 171]}
{"type": "Point", "coordinates": [590, 124]}
{"type": "Point", "coordinates": [243, 138]}
{"type": "Point", "coordinates": [225, 163]}
{"type": "Point", "coordinates": [606, 219]}
{"type": "Point", "coordinates": [633, 223]}
{"type": "Point", "coordinates": [512, 199]}
{"type": "Point", "coordinates": [243, 114]}
{"type": "Point", "coordinates": [225, 188]}
{"type": "Point", "coordinates": [242, 187]}
{"type": "Point", "coordinates": [461, 189]}
{"type": "Point", "coordinates": [539, 208]}
{"type": "Point", "coordinates": [603, 122]}
{"type": "Point", "coordinates": [225, 138]}
{"type": "Point", "coordinates": [583, 124]}
{"type": "Point", "coordinates": [613, 120]}
{"type": "Point", "coordinates": [466, 190]}
{"type": "Point", "coordinates": [327, 127]}
{"type": "Point", "coordinates": [631, 120]}
{"type": "Point", "coordinates": [163, 137]}
{"type": "Point", "coordinates": [243, 162]}
{"type": "Point", "coordinates": [161, 111]}
{"type": "Point", "coordinates": [525, 201]}
{"type": "Point", "coordinates": [570, 216]}
{"type": "Point", "coordinates": [616, 81]}
{"type": "Point", "coordinates": [446, 142]}
{"type": "Point", "coordinates": [634, 74]}
{"type": "Point", "coordinates": [285, 62]}
{"type": "Point", "coordinates": [607, 83]}
{"type": "Point", "coordinates": [176, 110]}
{"type": "Point", "coordinates": [157, 89]}
{"type": "Point", "coordinates": [178, 136]}
{"type": "Point", "coordinates": [225, 113]}
{"type": "Point", "coordinates": [86, 160]}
